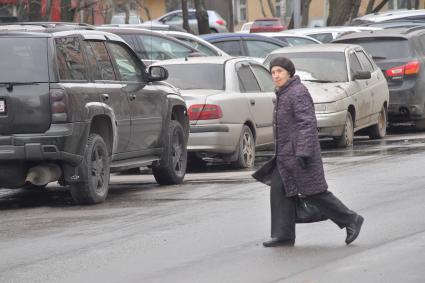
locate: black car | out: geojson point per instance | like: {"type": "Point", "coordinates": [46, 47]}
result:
{"type": "Point", "coordinates": [76, 105]}
{"type": "Point", "coordinates": [400, 53]}
{"type": "Point", "coordinates": [152, 46]}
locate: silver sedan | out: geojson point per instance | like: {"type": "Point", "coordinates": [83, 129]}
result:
{"type": "Point", "coordinates": [230, 106]}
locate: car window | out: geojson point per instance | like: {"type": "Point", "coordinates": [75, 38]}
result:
{"type": "Point", "coordinates": [264, 78]}
{"type": "Point", "coordinates": [199, 46]}
{"type": "Point", "coordinates": [247, 80]}
{"type": "Point", "coordinates": [383, 48]}
{"type": "Point", "coordinates": [128, 67]}
{"type": "Point", "coordinates": [132, 41]}
{"type": "Point", "coordinates": [174, 17]}
{"type": "Point", "coordinates": [260, 49]}
{"type": "Point", "coordinates": [354, 64]}
{"type": "Point", "coordinates": [323, 37]}
{"type": "Point", "coordinates": [159, 48]}
{"type": "Point", "coordinates": [300, 41]}
{"type": "Point", "coordinates": [365, 61]}
{"type": "Point", "coordinates": [196, 76]}
{"type": "Point", "coordinates": [317, 66]}
{"type": "Point", "coordinates": [71, 64]}
{"type": "Point", "coordinates": [99, 58]}
{"type": "Point", "coordinates": [28, 52]}
{"type": "Point", "coordinates": [231, 47]}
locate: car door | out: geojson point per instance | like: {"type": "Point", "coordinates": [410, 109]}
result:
{"type": "Point", "coordinates": [361, 91]}
{"type": "Point", "coordinates": [377, 83]}
{"type": "Point", "coordinates": [260, 110]}
{"type": "Point", "coordinates": [232, 46]}
{"type": "Point", "coordinates": [258, 48]}
{"type": "Point", "coordinates": [111, 92]}
{"type": "Point", "coordinates": [146, 104]}
{"type": "Point", "coordinates": [264, 103]}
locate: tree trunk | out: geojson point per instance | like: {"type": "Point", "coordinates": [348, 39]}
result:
{"type": "Point", "coordinates": [34, 10]}
{"type": "Point", "coordinates": [127, 14]}
{"type": "Point", "coordinates": [305, 10]}
{"type": "Point", "coordinates": [417, 4]}
{"type": "Point", "coordinates": [370, 6]}
{"type": "Point", "coordinates": [67, 11]}
{"type": "Point", "coordinates": [185, 16]}
{"type": "Point", "coordinates": [231, 23]}
{"type": "Point", "coordinates": [202, 17]}
{"type": "Point", "coordinates": [262, 9]}
{"type": "Point", "coordinates": [272, 8]}
{"type": "Point", "coordinates": [380, 6]}
{"type": "Point", "coordinates": [342, 11]}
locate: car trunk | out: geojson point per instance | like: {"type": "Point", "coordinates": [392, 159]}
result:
{"type": "Point", "coordinates": [24, 85]}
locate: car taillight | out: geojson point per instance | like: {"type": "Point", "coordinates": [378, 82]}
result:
{"type": "Point", "coordinates": [204, 112]}
{"type": "Point", "coordinates": [220, 22]}
{"type": "Point", "coordinates": [410, 68]}
{"type": "Point", "coordinates": [58, 105]}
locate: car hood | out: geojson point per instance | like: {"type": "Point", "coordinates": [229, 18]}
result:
{"type": "Point", "coordinates": [327, 92]}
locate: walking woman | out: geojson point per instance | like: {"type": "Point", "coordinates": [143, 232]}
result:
{"type": "Point", "coordinates": [299, 168]}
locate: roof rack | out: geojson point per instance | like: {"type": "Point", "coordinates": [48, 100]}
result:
{"type": "Point", "coordinates": [52, 25]}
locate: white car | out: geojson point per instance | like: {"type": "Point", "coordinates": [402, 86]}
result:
{"type": "Point", "coordinates": [291, 39]}
{"type": "Point", "coordinates": [246, 27]}
{"type": "Point", "coordinates": [197, 43]}
{"type": "Point", "coordinates": [327, 34]}
{"type": "Point", "coordinates": [391, 15]}
{"type": "Point", "coordinates": [349, 91]}
{"type": "Point", "coordinates": [230, 106]}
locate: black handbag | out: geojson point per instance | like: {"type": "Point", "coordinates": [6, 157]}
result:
{"type": "Point", "coordinates": [307, 212]}
{"type": "Point", "coordinates": [265, 172]}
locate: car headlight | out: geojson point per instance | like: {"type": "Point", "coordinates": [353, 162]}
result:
{"type": "Point", "coordinates": [326, 107]}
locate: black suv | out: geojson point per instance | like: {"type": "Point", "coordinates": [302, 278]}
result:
{"type": "Point", "coordinates": [76, 105]}
{"type": "Point", "coordinates": [400, 53]}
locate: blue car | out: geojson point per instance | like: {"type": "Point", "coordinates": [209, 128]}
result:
{"type": "Point", "coordinates": [239, 44]}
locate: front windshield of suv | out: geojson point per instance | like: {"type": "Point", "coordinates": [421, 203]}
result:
{"type": "Point", "coordinates": [196, 76]}
{"type": "Point", "coordinates": [23, 60]}
{"type": "Point", "coordinates": [318, 66]}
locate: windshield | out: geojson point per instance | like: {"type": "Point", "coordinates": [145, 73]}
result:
{"type": "Point", "coordinates": [318, 66]}
{"type": "Point", "coordinates": [23, 60]}
{"type": "Point", "coordinates": [384, 48]}
{"type": "Point", "coordinates": [192, 76]}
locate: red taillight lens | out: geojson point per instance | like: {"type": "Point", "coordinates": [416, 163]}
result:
{"type": "Point", "coordinates": [58, 105]}
{"type": "Point", "coordinates": [204, 112]}
{"type": "Point", "coordinates": [410, 68]}
{"type": "Point", "coordinates": [220, 22]}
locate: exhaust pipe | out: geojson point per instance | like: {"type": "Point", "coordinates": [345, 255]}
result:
{"type": "Point", "coordinates": [41, 175]}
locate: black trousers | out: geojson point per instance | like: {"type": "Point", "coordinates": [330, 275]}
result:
{"type": "Point", "coordinates": [284, 214]}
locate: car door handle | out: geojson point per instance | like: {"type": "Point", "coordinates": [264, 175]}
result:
{"type": "Point", "coordinates": [105, 97]}
{"type": "Point", "coordinates": [252, 101]}
{"type": "Point", "coordinates": [132, 97]}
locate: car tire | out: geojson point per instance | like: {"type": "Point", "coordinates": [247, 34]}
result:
{"type": "Point", "coordinates": [176, 157]}
{"type": "Point", "coordinates": [347, 137]}
{"type": "Point", "coordinates": [379, 130]}
{"type": "Point", "coordinates": [246, 149]}
{"type": "Point", "coordinates": [94, 173]}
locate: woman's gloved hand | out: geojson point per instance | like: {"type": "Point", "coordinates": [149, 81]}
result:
{"type": "Point", "coordinates": [303, 161]}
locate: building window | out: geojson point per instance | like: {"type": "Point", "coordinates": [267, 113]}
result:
{"type": "Point", "coordinates": [241, 10]}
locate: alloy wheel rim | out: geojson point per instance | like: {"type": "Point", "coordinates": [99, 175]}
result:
{"type": "Point", "coordinates": [98, 171]}
{"type": "Point", "coordinates": [177, 153]}
{"type": "Point", "coordinates": [247, 149]}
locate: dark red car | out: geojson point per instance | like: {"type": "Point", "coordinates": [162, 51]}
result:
{"type": "Point", "coordinates": [267, 25]}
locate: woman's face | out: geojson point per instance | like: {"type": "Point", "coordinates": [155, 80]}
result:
{"type": "Point", "coordinates": [280, 76]}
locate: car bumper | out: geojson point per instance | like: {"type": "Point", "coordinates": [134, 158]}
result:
{"type": "Point", "coordinates": [405, 105]}
{"type": "Point", "coordinates": [215, 138]}
{"type": "Point", "coordinates": [331, 124]}
{"type": "Point", "coordinates": [58, 143]}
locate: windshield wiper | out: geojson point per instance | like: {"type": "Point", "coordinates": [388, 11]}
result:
{"type": "Point", "coordinates": [379, 57]}
{"type": "Point", "coordinates": [9, 85]}
{"type": "Point", "coordinates": [321, 81]}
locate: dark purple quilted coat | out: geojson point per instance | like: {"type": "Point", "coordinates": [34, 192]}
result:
{"type": "Point", "coordinates": [296, 135]}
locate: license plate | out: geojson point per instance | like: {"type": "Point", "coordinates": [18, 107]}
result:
{"type": "Point", "coordinates": [2, 106]}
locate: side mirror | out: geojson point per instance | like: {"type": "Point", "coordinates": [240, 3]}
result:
{"type": "Point", "coordinates": [361, 75]}
{"type": "Point", "coordinates": [157, 73]}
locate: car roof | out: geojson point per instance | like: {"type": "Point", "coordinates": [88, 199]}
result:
{"type": "Point", "coordinates": [329, 29]}
{"type": "Point", "coordinates": [218, 36]}
{"type": "Point", "coordinates": [390, 15]}
{"type": "Point", "coordinates": [128, 30]}
{"type": "Point", "coordinates": [395, 32]}
{"type": "Point", "coordinates": [284, 34]}
{"type": "Point", "coordinates": [327, 47]}
{"type": "Point", "coordinates": [202, 60]}
{"type": "Point", "coordinates": [46, 27]}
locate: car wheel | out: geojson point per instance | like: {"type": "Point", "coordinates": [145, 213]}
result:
{"type": "Point", "coordinates": [379, 130]}
{"type": "Point", "coordinates": [95, 169]}
{"type": "Point", "coordinates": [347, 137]}
{"type": "Point", "coordinates": [176, 157]}
{"type": "Point", "coordinates": [246, 149]}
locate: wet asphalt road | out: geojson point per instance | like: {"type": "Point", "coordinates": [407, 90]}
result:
{"type": "Point", "coordinates": [210, 229]}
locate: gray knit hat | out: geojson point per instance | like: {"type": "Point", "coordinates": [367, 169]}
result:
{"type": "Point", "coordinates": [284, 63]}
